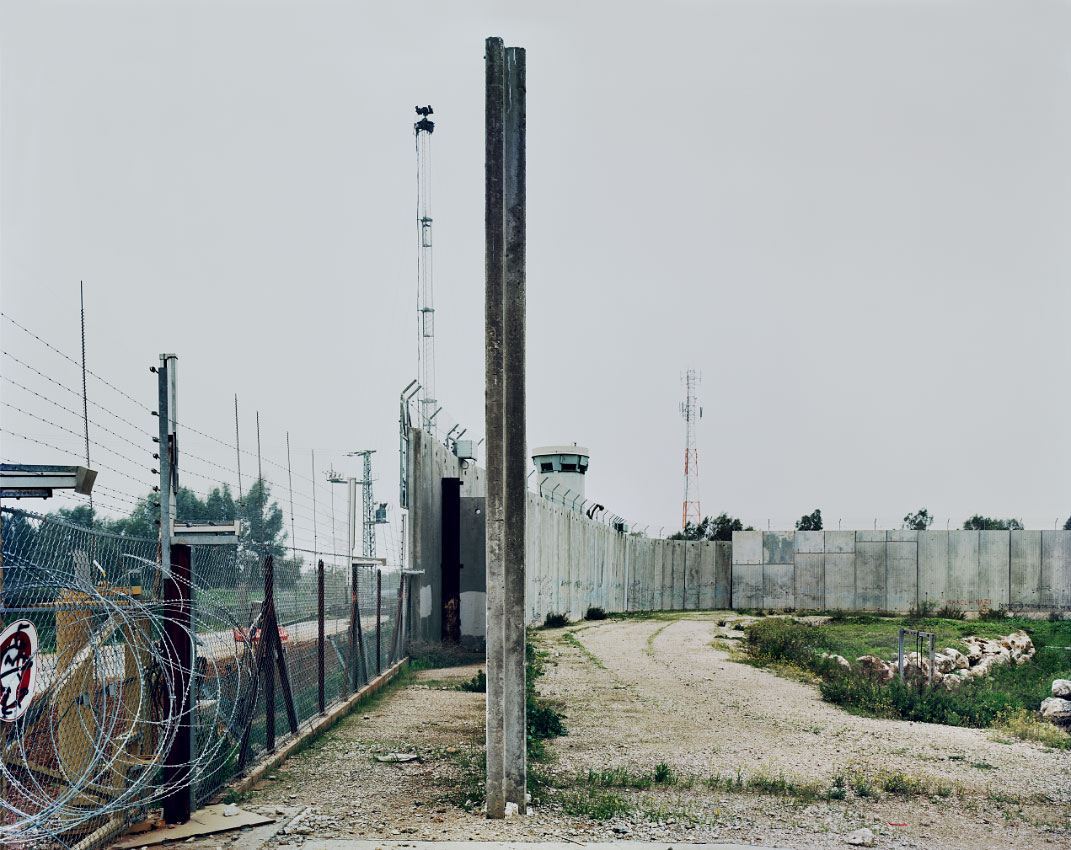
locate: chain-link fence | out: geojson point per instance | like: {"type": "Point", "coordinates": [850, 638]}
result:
{"type": "Point", "coordinates": [95, 737]}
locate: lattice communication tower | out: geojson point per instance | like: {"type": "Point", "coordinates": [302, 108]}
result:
{"type": "Point", "coordinates": [425, 295]}
{"type": "Point", "coordinates": [690, 412]}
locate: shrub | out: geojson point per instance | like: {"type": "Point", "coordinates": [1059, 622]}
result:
{"type": "Point", "coordinates": [477, 684]}
{"type": "Point", "coordinates": [595, 613]}
{"type": "Point", "coordinates": [951, 612]}
{"type": "Point", "coordinates": [923, 610]}
{"type": "Point", "coordinates": [777, 639]}
{"type": "Point", "coordinates": [993, 614]}
{"type": "Point", "coordinates": [663, 774]}
{"type": "Point", "coordinates": [542, 721]}
{"type": "Point", "coordinates": [555, 621]}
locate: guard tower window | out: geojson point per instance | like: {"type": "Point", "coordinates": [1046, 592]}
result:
{"type": "Point", "coordinates": [546, 467]}
{"type": "Point", "coordinates": [568, 467]}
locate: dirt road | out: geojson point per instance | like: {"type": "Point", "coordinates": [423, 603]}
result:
{"type": "Point", "coordinates": [640, 693]}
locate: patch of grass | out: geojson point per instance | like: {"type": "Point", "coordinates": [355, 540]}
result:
{"type": "Point", "coordinates": [978, 702]}
{"type": "Point", "coordinates": [543, 721]}
{"type": "Point", "coordinates": [618, 777]}
{"type": "Point", "coordinates": [664, 775]}
{"type": "Point", "coordinates": [596, 805]}
{"type": "Point", "coordinates": [861, 786]}
{"type": "Point", "coordinates": [477, 684]}
{"type": "Point", "coordinates": [982, 765]}
{"type": "Point", "coordinates": [779, 786]}
{"type": "Point", "coordinates": [595, 613]}
{"type": "Point", "coordinates": [1025, 725]}
{"type": "Point", "coordinates": [571, 639]}
{"type": "Point", "coordinates": [434, 656]}
{"type": "Point", "coordinates": [901, 783]}
{"type": "Point", "coordinates": [950, 612]}
{"type": "Point", "coordinates": [992, 615]}
{"type": "Point", "coordinates": [555, 621]}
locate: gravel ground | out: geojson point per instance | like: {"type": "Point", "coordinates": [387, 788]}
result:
{"type": "Point", "coordinates": [637, 693]}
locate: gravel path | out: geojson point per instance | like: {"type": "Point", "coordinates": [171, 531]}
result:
{"type": "Point", "coordinates": [637, 693]}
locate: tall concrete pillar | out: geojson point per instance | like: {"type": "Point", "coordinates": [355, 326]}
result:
{"type": "Point", "coordinates": [515, 433]}
{"type": "Point", "coordinates": [507, 453]}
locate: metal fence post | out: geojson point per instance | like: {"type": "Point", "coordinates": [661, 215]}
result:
{"type": "Point", "coordinates": [379, 620]}
{"type": "Point", "coordinates": [900, 654]}
{"type": "Point", "coordinates": [320, 635]}
{"type": "Point", "coordinates": [178, 633]}
{"type": "Point", "coordinates": [267, 622]}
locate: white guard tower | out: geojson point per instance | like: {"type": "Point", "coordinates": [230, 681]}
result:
{"type": "Point", "coordinates": [562, 470]}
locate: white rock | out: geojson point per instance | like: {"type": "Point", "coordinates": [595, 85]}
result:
{"type": "Point", "coordinates": [1061, 688]}
{"type": "Point", "coordinates": [959, 659]}
{"type": "Point", "coordinates": [230, 811]}
{"type": "Point", "coordinates": [861, 838]}
{"type": "Point", "coordinates": [875, 667]}
{"type": "Point", "coordinates": [1057, 709]}
{"type": "Point", "coordinates": [944, 663]}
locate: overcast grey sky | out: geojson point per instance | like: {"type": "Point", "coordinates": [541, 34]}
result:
{"type": "Point", "coordinates": [850, 216]}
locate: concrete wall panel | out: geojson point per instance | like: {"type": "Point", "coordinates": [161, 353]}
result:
{"type": "Point", "coordinates": [901, 535]}
{"type": "Point", "coordinates": [870, 571]}
{"type": "Point", "coordinates": [747, 586]}
{"type": "Point", "coordinates": [658, 578]}
{"type": "Point", "coordinates": [1056, 570]}
{"type": "Point", "coordinates": [778, 547]}
{"type": "Point", "coordinates": [839, 583]}
{"type": "Point", "coordinates": [810, 542]}
{"type": "Point", "coordinates": [693, 568]}
{"type": "Point", "coordinates": [963, 570]}
{"type": "Point", "coordinates": [1024, 590]}
{"type": "Point", "coordinates": [747, 547]}
{"type": "Point", "coordinates": [901, 572]}
{"type": "Point", "coordinates": [706, 553]}
{"type": "Point", "coordinates": [723, 574]}
{"type": "Point", "coordinates": [810, 580]}
{"type": "Point", "coordinates": [839, 542]}
{"type": "Point", "coordinates": [677, 548]}
{"type": "Point", "coordinates": [994, 568]}
{"type": "Point", "coordinates": [933, 567]}
{"type": "Point", "coordinates": [778, 586]}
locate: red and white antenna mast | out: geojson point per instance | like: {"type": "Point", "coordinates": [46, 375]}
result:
{"type": "Point", "coordinates": [690, 412]}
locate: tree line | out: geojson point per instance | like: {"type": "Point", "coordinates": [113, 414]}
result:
{"type": "Point", "coordinates": [722, 526]}
{"type": "Point", "coordinates": [262, 531]}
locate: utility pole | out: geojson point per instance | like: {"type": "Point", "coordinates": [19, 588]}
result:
{"type": "Point", "coordinates": [423, 129]}
{"type": "Point", "coordinates": [166, 374]}
{"type": "Point", "coordinates": [691, 412]}
{"type": "Point", "coordinates": [504, 306]}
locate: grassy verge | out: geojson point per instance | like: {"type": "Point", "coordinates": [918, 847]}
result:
{"type": "Point", "coordinates": [1007, 698]}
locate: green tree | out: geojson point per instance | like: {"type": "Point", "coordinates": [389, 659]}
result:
{"type": "Point", "coordinates": [810, 522]}
{"type": "Point", "coordinates": [1067, 525]}
{"type": "Point", "coordinates": [919, 521]}
{"type": "Point", "coordinates": [984, 523]}
{"type": "Point", "coordinates": [720, 527]}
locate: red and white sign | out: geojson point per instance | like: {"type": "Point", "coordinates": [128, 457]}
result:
{"type": "Point", "coordinates": [18, 669]}
{"type": "Point", "coordinates": [242, 635]}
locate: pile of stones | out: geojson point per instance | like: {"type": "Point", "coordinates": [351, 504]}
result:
{"type": "Point", "coordinates": [1057, 708]}
{"type": "Point", "coordinates": [951, 667]}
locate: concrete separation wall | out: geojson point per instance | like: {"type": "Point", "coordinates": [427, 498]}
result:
{"type": "Point", "coordinates": [574, 563]}
{"type": "Point", "coordinates": [896, 570]}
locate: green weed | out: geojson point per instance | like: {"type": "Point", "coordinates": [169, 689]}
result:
{"type": "Point", "coordinates": [477, 684]}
